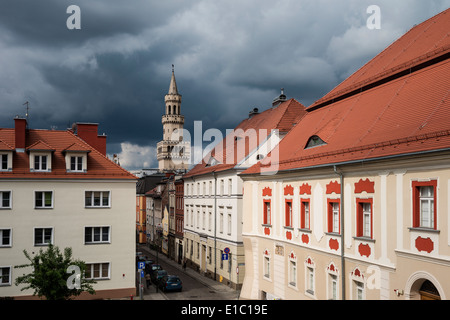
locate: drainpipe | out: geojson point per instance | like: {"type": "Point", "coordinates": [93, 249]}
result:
{"type": "Point", "coordinates": [215, 226]}
{"type": "Point", "coordinates": [341, 175]}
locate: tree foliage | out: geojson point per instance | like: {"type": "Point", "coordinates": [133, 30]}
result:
{"type": "Point", "coordinates": [50, 275]}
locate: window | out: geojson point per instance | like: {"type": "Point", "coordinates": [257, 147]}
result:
{"type": "Point", "coordinates": [43, 236]}
{"type": "Point", "coordinates": [96, 235]}
{"type": "Point", "coordinates": [5, 276]}
{"type": "Point", "coordinates": [359, 290]}
{"type": "Point", "coordinates": [222, 191]}
{"type": "Point", "coordinates": [304, 214]}
{"type": "Point", "coordinates": [221, 223]}
{"type": "Point", "coordinates": [293, 273]}
{"type": "Point", "coordinates": [4, 162]}
{"type": "Point", "coordinates": [229, 224]}
{"type": "Point", "coordinates": [40, 163]}
{"type": "Point", "coordinates": [100, 199]}
{"type": "Point", "coordinates": [332, 286]}
{"type": "Point", "coordinates": [288, 213]}
{"type": "Point", "coordinates": [210, 220]}
{"type": "Point", "coordinates": [424, 204]}
{"type": "Point", "coordinates": [76, 163]}
{"type": "Point", "coordinates": [333, 216]}
{"type": "Point", "coordinates": [230, 186]}
{"type": "Point", "coordinates": [314, 141]}
{"type": "Point", "coordinates": [310, 280]}
{"type": "Point", "coordinates": [97, 271]}
{"type": "Point", "coordinates": [43, 199]}
{"type": "Point", "coordinates": [5, 199]}
{"type": "Point", "coordinates": [364, 218]}
{"type": "Point", "coordinates": [5, 237]}
{"type": "Point", "coordinates": [266, 218]}
{"type": "Point", "coordinates": [267, 267]}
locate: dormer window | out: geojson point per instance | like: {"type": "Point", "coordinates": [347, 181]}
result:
{"type": "Point", "coordinates": [315, 141]}
{"type": "Point", "coordinates": [6, 154]}
{"type": "Point", "coordinates": [40, 163]}
{"type": "Point", "coordinates": [76, 158]}
{"type": "Point", "coordinates": [40, 157]}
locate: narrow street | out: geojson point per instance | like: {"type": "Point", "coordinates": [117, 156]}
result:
{"type": "Point", "coordinates": [195, 285]}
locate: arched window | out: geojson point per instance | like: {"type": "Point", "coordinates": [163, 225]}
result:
{"type": "Point", "coordinates": [170, 110]}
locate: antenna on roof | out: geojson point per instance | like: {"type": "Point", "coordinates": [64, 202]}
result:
{"type": "Point", "coordinates": [28, 108]}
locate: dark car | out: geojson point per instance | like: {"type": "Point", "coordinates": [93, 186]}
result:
{"type": "Point", "coordinates": [157, 275]}
{"type": "Point", "coordinates": [148, 266]}
{"type": "Point", "coordinates": [170, 283]}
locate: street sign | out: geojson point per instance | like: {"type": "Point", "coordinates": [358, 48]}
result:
{"type": "Point", "coordinates": [142, 274]}
{"type": "Point", "coordinates": [226, 250]}
{"type": "Point", "coordinates": [224, 256]}
{"type": "Point", "coordinates": [141, 265]}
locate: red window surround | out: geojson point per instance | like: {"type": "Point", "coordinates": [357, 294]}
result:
{"type": "Point", "coordinates": [305, 223]}
{"type": "Point", "coordinates": [267, 212]}
{"type": "Point", "coordinates": [332, 221]}
{"type": "Point", "coordinates": [288, 213]}
{"type": "Point", "coordinates": [360, 217]}
{"type": "Point", "coordinates": [416, 185]}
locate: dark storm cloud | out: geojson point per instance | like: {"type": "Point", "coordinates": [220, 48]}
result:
{"type": "Point", "coordinates": [230, 56]}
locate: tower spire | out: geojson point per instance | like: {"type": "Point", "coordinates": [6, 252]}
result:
{"type": "Point", "coordinates": [173, 83]}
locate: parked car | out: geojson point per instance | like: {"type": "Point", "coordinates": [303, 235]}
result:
{"type": "Point", "coordinates": [148, 265]}
{"type": "Point", "coordinates": [170, 283]}
{"type": "Point", "coordinates": [157, 275]}
{"type": "Point", "coordinates": [154, 267]}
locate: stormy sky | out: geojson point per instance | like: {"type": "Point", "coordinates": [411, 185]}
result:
{"type": "Point", "coordinates": [230, 56]}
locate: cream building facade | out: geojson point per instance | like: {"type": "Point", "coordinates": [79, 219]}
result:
{"type": "Point", "coordinates": [69, 194]}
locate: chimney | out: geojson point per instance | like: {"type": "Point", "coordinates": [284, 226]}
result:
{"type": "Point", "coordinates": [89, 133]}
{"type": "Point", "coordinates": [20, 126]}
{"type": "Point", "coordinates": [280, 99]}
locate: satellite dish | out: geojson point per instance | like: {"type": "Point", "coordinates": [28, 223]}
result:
{"type": "Point", "coordinates": [74, 127]}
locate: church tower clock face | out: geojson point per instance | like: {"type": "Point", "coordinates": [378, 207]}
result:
{"type": "Point", "coordinates": [173, 153]}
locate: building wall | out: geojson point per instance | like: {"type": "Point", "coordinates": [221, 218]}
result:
{"type": "Point", "coordinates": [209, 224]}
{"type": "Point", "coordinates": [68, 218]}
{"type": "Point", "coordinates": [396, 257]}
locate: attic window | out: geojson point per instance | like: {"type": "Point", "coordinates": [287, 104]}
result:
{"type": "Point", "coordinates": [315, 141]}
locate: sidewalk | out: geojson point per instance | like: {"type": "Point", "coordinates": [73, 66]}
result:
{"type": "Point", "coordinates": [151, 294]}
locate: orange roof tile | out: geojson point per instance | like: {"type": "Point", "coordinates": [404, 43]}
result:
{"type": "Point", "coordinates": [422, 44]}
{"type": "Point", "coordinates": [98, 165]}
{"type": "Point", "coordinates": [229, 151]}
{"type": "Point", "coordinates": [5, 147]}
{"type": "Point", "coordinates": [399, 116]}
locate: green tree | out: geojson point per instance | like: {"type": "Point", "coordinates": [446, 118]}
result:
{"type": "Point", "coordinates": [51, 276]}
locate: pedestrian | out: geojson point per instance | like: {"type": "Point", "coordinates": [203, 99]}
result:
{"type": "Point", "coordinates": [147, 279]}
{"type": "Point", "coordinates": [184, 265]}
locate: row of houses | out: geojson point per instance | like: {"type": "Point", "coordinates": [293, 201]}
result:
{"type": "Point", "coordinates": [345, 199]}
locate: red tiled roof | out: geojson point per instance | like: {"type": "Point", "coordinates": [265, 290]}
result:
{"type": "Point", "coordinates": [40, 146]}
{"type": "Point", "coordinates": [228, 152]}
{"type": "Point", "coordinates": [98, 165]}
{"type": "Point", "coordinates": [5, 147]}
{"type": "Point", "coordinates": [420, 45]}
{"type": "Point", "coordinates": [402, 115]}
{"type": "Point", "coordinates": [76, 147]}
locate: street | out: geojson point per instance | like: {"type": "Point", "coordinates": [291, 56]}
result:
{"type": "Point", "coordinates": [195, 285]}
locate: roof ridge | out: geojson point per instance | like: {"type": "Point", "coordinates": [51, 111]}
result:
{"type": "Point", "coordinates": [40, 142]}
{"type": "Point", "coordinates": [6, 144]}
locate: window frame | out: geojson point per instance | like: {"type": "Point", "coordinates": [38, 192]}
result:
{"type": "Point", "coordinates": [43, 244]}
{"type": "Point", "coordinates": [288, 213]}
{"type": "Point", "coordinates": [101, 241]}
{"type": "Point", "coordinates": [43, 206]}
{"type": "Point", "coordinates": [89, 275]}
{"type": "Point", "coordinates": [9, 282]}
{"type": "Point", "coordinates": [2, 245]}
{"type": "Point", "coordinates": [2, 161]}
{"type": "Point", "coordinates": [331, 226]}
{"type": "Point", "coordinates": [92, 205]}
{"type": "Point", "coordinates": [360, 221]}
{"type": "Point", "coordinates": [267, 215]}
{"type": "Point", "coordinates": [303, 215]}
{"type": "Point", "coordinates": [40, 162]}
{"type": "Point", "coordinates": [417, 211]}
{"type": "Point", "coordinates": [1, 200]}
{"type": "Point", "coordinates": [78, 164]}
